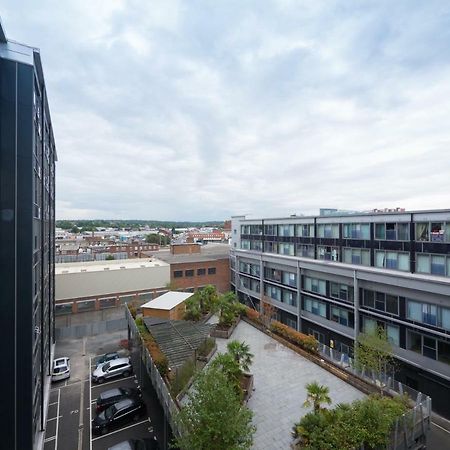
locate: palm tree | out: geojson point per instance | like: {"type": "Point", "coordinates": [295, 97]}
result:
{"type": "Point", "coordinates": [317, 394]}
{"type": "Point", "coordinates": [241, 353]}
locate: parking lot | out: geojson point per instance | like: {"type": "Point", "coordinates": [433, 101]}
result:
{"type": "Point", "coordinates": [72, 404]}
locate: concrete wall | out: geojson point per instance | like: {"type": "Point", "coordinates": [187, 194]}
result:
{"type": "Point", "coordinates": [106, 282]}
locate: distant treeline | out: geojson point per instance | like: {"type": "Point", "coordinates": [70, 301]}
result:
{"type": "Point", "coordinates": [91, 225]}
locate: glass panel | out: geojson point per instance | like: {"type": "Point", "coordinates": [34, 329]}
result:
{"type": "Point", "coordinates": [380, 232]}
{"type": "Point", "coordinates": [403, 261]}
{"type": "Point", "coordinates": [403, 231]}
{"type": "Point", "coordinates": [393, 335]}
{"type": "Point", "coordinates": [391, 231]}
{"type": "Point", "coordinates": [308, 286]}
{"type": "Point", "coordinates": [391, 260]}
{"type": "Point", "coordinates": [423, 263]}
{"type": "Point", "coordinates": [370, 325]}
{"type": "Point", "coordinates": [438, 265]}
{"type": "Point", "coordinates": [322, 287]}
{"type": "Point", "coordinates": [379, 259]}
{"type": "Point", "coordinates": [322, 309]}
{"type": "Point", "coordinates": [379, 301]}
{"type": "Point", "coordinates": [365, 257]}
{"type": "Point", "coordinates": [445, 319]}
{"type": "Point", "coordinates": [365, 231]}
{"type": "Point", "coordinates": [334, 287]}
{"type": "Point", "coordinates": [429, 347]}
{"type": "Point", "coordinates": [356, 257]}
{"type": "Point", "coordinates": [414, 311]}
{"type": "Point", "coordinates": [392, 304]}
{"type": "Point", "coordinates": [415, 342]}
{"type": "Point", "coordinates": [369, 298]}
{"type": "Point", "coordinates": [444, 352]}
{"type": "Point", "coordinates": [437, 232]}
{"type": "Point", "coordinates": [429, 314]}
{"type": "Point", "coordinates": [447, 232]}
{"type": "Point", "coordinates": [422, 231]}
{"type": "Point", "coordinates": [347, 255]}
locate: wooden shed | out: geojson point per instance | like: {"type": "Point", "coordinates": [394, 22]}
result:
{"type": "Point", "coordinates": [168, 306]}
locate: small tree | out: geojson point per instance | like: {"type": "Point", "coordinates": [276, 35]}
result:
{"type": "Point", "coordinates": [208, 298]}
{"type": "Point", "coordinates": [229, 308]}
{"type": "Point", "coordinates": [373, 352]}
{"type": "Point", "coordinates": [268, 311]}
{"type": "Point", "coordinates": [317, 394]}
{"type": "Point", "coordinates": [240, 351]}
{"type": "Point", "coordinates": [214, 417]}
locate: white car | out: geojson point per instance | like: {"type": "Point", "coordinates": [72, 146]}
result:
{"type": "Point", "coordinates": [114, 368]}
{"type": "Point", "coordinates": [61, 369]}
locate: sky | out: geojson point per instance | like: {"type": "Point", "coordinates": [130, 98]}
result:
{"type": "Point", "coordinates": [200, 110]}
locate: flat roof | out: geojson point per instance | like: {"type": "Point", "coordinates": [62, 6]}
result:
{"type": "Point", "coordinates": [168, 300]}
{"type": "Point", "coordinates": [209, 252]}
{"type": "Point", "coordinates": [99, 266]}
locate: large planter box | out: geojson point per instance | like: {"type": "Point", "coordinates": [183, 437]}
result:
{"type": "Point", "coordinates": [225, 334]}
{"type": "Point", "coordinates": [206, 358]}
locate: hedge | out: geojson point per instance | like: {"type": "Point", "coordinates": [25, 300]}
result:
{"type": "Point", "coordinates": [304, 341]}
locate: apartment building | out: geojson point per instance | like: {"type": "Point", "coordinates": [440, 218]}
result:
{"type": "Point", "coordinates": [335, 276]}
{"type": "Point", "coordinates": [27, 224]}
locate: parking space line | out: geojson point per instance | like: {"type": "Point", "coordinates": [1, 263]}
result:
{"type": "Point", "coordinates": [121, 429]}
{"type": "Point", "coordinates": [57, 419]}
{"type": "Point", "coordinates": [54, 403]}
{"type": "Point", "coordinates": [53, 418]}
{"type": "Point", "coordinates": [50, 439]}
{"type": "Point", "coordinates": [110, 382]}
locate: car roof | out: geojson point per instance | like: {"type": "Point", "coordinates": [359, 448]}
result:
{"type": "Point", "coordinates": [111, 393]}
{"type": "Point", "coordinates": [60, 361]}
{"type": "Point", "coordinates": [124, 403]}
{"type": "Point", "coordinates": [125, 445]}
{"type": "Point", "coordinates": [118, 361]}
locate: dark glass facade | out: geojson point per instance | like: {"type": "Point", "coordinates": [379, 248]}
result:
{"type": "Point", "coordinates": [27, 219]}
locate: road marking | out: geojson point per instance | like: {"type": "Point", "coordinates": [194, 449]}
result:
{"type": "Point", "coordinates": [53, 418]}
{"type": "Point", "coordinates": [54, 403]}
{"type": "Point", "coordinates": [120, 429]}
{"type": "Point", "coordinates": [57, 420]}
{"type": "Point", "coordinates": [50, 439]}
{"type": "Point", "coordinates": [442, 428]}
{"type": "Point", "coordinates": [80, 420]}
{"type": "Point", "coordinates": [111, 382]}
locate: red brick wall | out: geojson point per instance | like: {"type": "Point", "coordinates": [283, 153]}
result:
{"type": "Point", "coordinates": [221, 279]}
{"type": "Point", "coordinates": [184, 248]}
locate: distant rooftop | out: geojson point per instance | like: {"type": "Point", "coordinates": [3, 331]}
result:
{"type": "Point", "coordinates": [98, 266]}
{"type": "Point", "coordinates": [208, 252]}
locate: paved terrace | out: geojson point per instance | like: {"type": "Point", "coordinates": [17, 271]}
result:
{"type": "Point", "coordinates": [280, 376]}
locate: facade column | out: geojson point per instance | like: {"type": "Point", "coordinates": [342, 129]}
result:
{"type": "Point", "coordinates": [261, 282]}
{"type": "Point", "coordinates": [356, 305]}
{"type": "Point", "coordinates": [299, 297]}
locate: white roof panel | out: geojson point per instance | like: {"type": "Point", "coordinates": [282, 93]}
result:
{"type": "Point", "coordinates": [168, 300]}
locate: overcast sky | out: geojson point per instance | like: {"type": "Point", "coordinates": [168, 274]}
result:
{"type": "Point", "coordinates": [195, 110]}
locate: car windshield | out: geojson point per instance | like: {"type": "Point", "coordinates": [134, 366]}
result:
{"type": "Point", "coordinates": [109, 412]}
{"type": "Point", "coordinates": [106, 367]}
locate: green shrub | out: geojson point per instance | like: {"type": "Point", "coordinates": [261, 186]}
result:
{"type": "Point", "coordinates": [206, 346]}
{"type": "Point", "coordinates": [182, 376]}
{"type": "Point", "coordinates": [304, 341]}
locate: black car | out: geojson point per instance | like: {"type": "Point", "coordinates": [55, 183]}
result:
{"type": "Point", "coordinates": [125, 411]}
{"type": "Point", "coordinates": [112, 396]}
{"type": "Point", "coordinates": [137, 444]}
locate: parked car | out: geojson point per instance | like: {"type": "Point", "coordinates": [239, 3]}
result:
{"type": "Point", "coordinates": [61, 369]}
{"type": "Point", "coordinates": [137, 444]}
{"type": "Point", "coordinates": [105, 358]}
{"type": "Point", "coordinates": [111, 396]}
{"type": "Point", "coordinates": [125, 411]}
{"type": "Point", "coordinates": [114, 368]}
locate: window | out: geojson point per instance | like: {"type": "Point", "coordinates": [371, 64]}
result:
{"type": "Point", "coordinates": [315, 307]}
{"type": "Point", "coordinates": [434, 264]}
{"type": "Point", "coordinates": [270, 230]}
{"type": "Point", "coordinates": [328, 230]}
{"type": "Point", "coordinates": [273, 292]}
{"type": "Point", "coordinates": [305, 250]}
{"type": "Point", "coordinates": [429, 314]}
{"type": "Point", "coordinates": [392, 260]}
{"type": "Point", "coordinates": [245, 244]}
{"type": "Point", "coordinates": [211, 270]}
{"type": "Point", "coordinates": [189, 273]}
{"type": "Point", "coordinates": [270, 247]}
{"type": "Point", "coordinates": [286, 230]}
{"type": "Point", "coordinates": [433, 231]}
{"type": "Point", "coordinates": [290, 279]}
{"type": "Point", "coordinates": [315, 285]}
{"type": "Point", "coordinates": [426, 346]}
{"type": "Point", "coordinates": [289, 297]}
{"type": "Point", "coordinates": [285, 248]}
{"type": "Point", "coordinates": [305, 230]}
{"type": "Point", "coordinates": [201, 271]}
{"type": "Point", "coordinates": [356, 231]}
{"type": "Point", "coordinates": [342, 316]}
{"type": "Point", "coordinates": [177, 273]}
{"type": "Point", "coordinates": [328, 253]}
{"type": "Point", "coordinates": [356, 256]}
{"type": "Point", "coordinates": [380, 301]}
{"type": "Point", "coordinates": [251, 269]}
{"type": "Point", "coordinates": [341, 292]}
{"type": "Point", "coordinates": [392, 331]}
{"type": "Point", "coordinates": [392, 231]}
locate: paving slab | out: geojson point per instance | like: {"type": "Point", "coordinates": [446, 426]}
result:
{"type": "Point", "coordinates": [280, 376]}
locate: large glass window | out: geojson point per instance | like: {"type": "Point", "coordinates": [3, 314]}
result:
{"type": "Point", "coordinates": [434, 264]}
{"type": "Point", "coordinates": [251, 269]}
{"type": "Point", "coordinates": [286, 230]}
{"type": "Point", "coordinates": [315, 307]}
{"type": "Point", "coordinates": [429, 346]}
{"type": "Point", "coordinates": [328, 253]}
{"type": "Point", "coordinates": [328, 230]}
{"type": "Point", "coordinates": [341, 291]}
{"type": "Point", "coordinates": [316, 285]}
{"type": "Point", "coordinates": [270, 230]}
{"type": "Point", "coordinates": [356, 256]}
{"type": "Point", "coordinates": [427, 313]}
{"type": "Point", "coordinates": [392, 332]}
{"type": "Point", "coordinates": [380, 301]}
{"type": "Point", "coordinates": [285, 248]}
{"type": "Point", "coordinates": [305, 250]}
{"type": "Point", "coordinates": [392, 231]}
{"type": "Point", "coordinates": [356, 231]}
{"type": "Point", "coordinates": [290, 278]}
{"type": "Point", "coordinates": [342, 316]}
{"type": "Point", "coordinates": [433, 231]}
{"type": "Point", "coordinates": [305, 230]}
{"type": "Point", "coordinates": [392, 260]}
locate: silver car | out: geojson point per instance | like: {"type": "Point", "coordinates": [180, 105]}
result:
{"type": "Point", "coordinates": [61, 369]}
{"type": "Point", "coordinates": [114, 368]}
